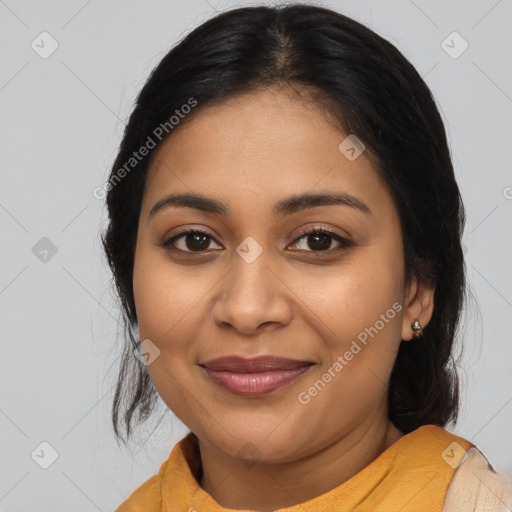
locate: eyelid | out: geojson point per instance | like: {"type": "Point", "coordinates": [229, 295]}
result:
{"type": "Point", "coordinates": [322, 229]}
{"type": "Point", "coordinates": [169, 240]}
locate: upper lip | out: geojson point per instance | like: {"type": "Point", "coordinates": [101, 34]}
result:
{"type": "Point", "coordinates": [240, 364]}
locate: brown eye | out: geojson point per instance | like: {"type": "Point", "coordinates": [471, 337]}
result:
{"type": "Point", "coordinates": [189, 241]}
{"type": "Point", "coordinates": [320, 240]}
{"type": "Point", "coordinates": [317, 240]}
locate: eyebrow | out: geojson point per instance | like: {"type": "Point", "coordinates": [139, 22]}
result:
{"type": "Point", "coordinates": [284, 207]}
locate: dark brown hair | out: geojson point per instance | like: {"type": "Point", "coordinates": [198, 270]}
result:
{"type": "Point", "coordinates": [376, 94]}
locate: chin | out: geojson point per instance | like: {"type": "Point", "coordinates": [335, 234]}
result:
{"type": "Point", "coordinates": [253, 445]}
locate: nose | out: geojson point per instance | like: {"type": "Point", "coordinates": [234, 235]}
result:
{"type": "Point", "coordinates": [252, 298]}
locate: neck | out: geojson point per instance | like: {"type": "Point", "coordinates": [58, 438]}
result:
{"type": "Point", "coordinates": [265, 487]}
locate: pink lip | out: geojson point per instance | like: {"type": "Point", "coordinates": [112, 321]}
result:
{"type": "Point", "coordinates": [255, 383]}
{"type": "Point", "coordinates": [257, 376]}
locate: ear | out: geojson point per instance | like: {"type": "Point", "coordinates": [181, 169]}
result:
{"type": "Point", "coordinates": [419, 305]}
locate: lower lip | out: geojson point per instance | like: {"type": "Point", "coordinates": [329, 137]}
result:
{"type": "Point", "coordinates": [255, 384]}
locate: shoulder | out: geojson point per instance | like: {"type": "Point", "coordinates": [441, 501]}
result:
{"type": "Point", "coordinates": [147, 495]}
{"type": "Point", "coordinates": [477, 487]}
{"type": "Point", "coordinates": [151, 495]}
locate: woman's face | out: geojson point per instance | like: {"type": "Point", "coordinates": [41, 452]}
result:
{"type": "Point", "coordinates": [254, 284]}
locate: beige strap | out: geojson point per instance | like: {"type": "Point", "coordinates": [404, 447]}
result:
{"type": "Point", "coordinates": [476, 487]}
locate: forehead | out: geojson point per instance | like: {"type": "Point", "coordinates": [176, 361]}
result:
{"type": "Point", "coordinates": [259, 147]}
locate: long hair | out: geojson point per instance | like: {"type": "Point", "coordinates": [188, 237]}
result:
{"type": "Point", "coordinates": [372, 91]}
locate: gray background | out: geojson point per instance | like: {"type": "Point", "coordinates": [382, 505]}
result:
{"type": "Point", "coordinates": [61, 122]}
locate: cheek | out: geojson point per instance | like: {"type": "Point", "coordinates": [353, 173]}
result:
{"type": "Point", "coordinates": [168, 307]}
{"type": "Point", "coordinates": [359, 315]}
{"type": "Point", "coordinates": [353, 298]}
{"type": "Point", "coordinates": [154, 289]}
{"type": "Point", "coordinates": [169, 299]}
{"type": "Point", "coordinates": [149, 285]}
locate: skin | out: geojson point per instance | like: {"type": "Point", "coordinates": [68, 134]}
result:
{"type": "Point", "coordinates": [250, 152]}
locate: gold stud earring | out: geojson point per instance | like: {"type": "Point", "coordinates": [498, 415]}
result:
{"type": "Point", "coordinates": [417, 329]}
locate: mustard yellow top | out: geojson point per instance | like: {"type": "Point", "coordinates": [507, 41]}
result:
{"type": "Point", "coordinates": [412, 475]}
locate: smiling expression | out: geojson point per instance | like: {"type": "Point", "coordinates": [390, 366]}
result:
{"type": "Point", "coordinates": [297, 251]}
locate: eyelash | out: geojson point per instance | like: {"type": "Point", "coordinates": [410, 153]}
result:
{"type": "Point", "coordinates": [344, 242]}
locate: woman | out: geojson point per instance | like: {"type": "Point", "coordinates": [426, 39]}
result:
{"type": "Point", "coordinates": [284, 235]}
